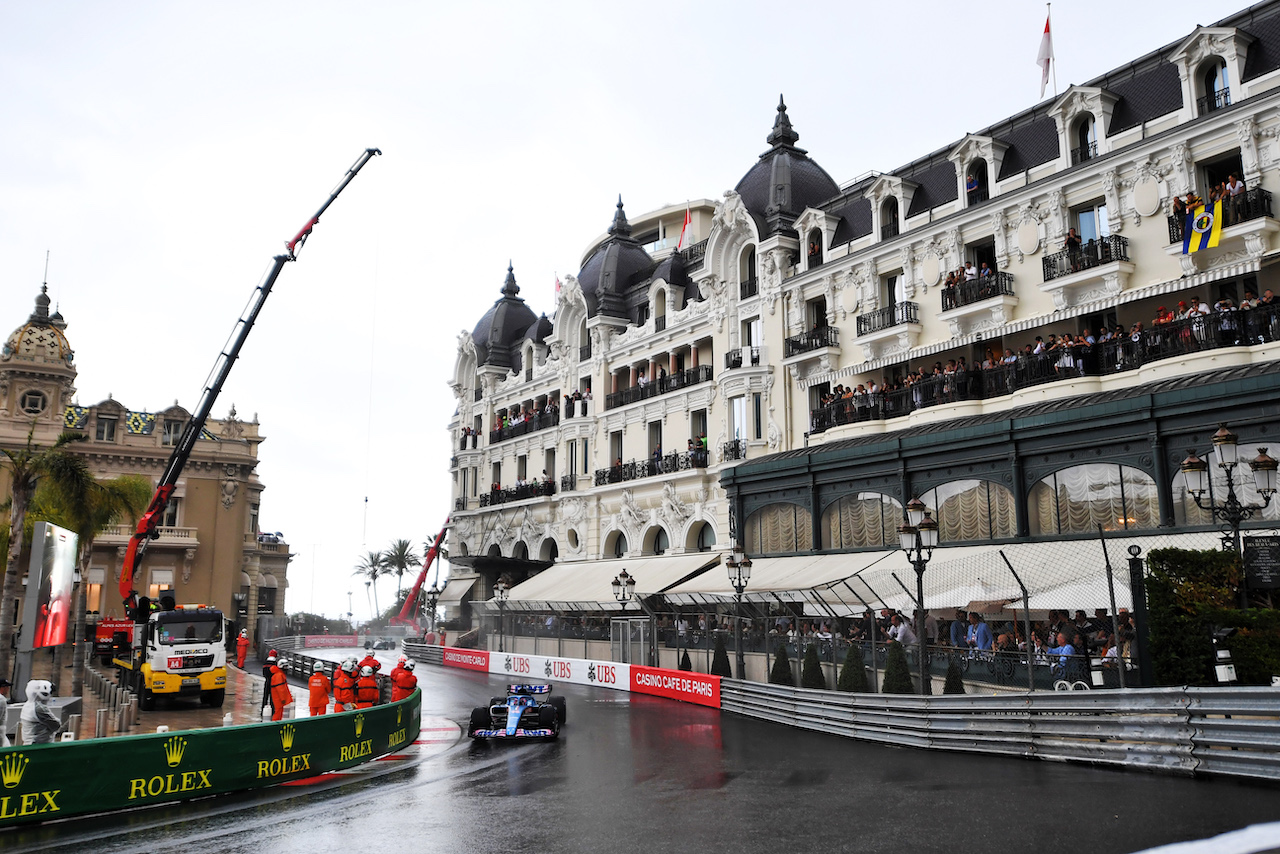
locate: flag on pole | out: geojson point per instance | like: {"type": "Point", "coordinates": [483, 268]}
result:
{"type": "Point", "coordinates": [1202, 229]}
{"type": "Point", "coordinates": [1045, 57]}
{"type": "Point", "coordinates": [684, 231]}
{"type": "Point", "coordinates": [557, 283]}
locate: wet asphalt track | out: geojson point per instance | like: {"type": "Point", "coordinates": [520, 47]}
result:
{"type": "Point", "coordinates": [638, 774]}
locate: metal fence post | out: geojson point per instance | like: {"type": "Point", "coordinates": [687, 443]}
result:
{"type": "Point", "coordinates": [1137, 587]}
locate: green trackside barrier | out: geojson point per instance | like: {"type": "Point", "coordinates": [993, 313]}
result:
{"type": "Point", "coordinates": [53, 781]}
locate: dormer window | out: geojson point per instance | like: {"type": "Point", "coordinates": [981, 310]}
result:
{"type": "Point", "coordinates": [106, 429]}
{"type": "Point", "coordinates": [1085, 140]}
{"type": "Point", "coordinates": [1215, 86]}
{"type": "Point", "coordinates": [172, 432]}
{"type": "Point", "coordinates": [889, 218]}
{"type": "Point", "coordinates": [976, 189]}
{"type": "Point", "coordinates": [814, 248]}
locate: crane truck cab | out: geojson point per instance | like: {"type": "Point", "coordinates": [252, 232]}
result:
{"type": "Point", "coordinates": [184, 655]}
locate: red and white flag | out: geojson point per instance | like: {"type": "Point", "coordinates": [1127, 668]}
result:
{"type": "Point", "coordinates": [684, 231]}
{"type": "Point", "coordinates": [557, 283]}
{"type": "Point", "coordinates": [1045, 57]}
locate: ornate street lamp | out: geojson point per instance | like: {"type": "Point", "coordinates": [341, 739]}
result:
{"type": "Point", "coordinates": [739, 567]}
{"type": "Point", "coordinates": [918, 539]}
{"type": "Point", "coordinates": [500, 593]}
{"type": "Point", "coordinates": [433, 597]}
{"type": "Point", "coordinates": [624, 588]}
{"type": "Point", "coordinates": [1233, 511]}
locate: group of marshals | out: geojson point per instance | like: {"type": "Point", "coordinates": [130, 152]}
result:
{"type": "Point", "coordinates": [354, 685]}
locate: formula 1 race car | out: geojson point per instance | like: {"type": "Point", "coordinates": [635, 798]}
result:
{"type": "Point", "coordinates": [520, 714]}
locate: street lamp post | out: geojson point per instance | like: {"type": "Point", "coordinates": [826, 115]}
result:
{"type": "Point", "coordinates": [918, 538]}
{"type": "Point", "coordinates": [500, 593]}
{"type": "Point", "coordinates": [739, 567]}
{"type": "Point", "coordinates": [624, 588]}
{"type": "Point", "coordinates": [433, 597]}
{"type": "Point", "coordinates": [1232, 511]}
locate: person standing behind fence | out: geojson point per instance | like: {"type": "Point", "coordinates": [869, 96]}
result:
{"type": "Point", "coordinates": [281, 696]}
{"type": "Point", "coordinates": [367, 691]}
{"type": "Point", "coordinates": [242, 648]}
{"type": "Point", "coordinates": [320, 686]}
{"type": "Point", "coordinates": [344, 686]}
{"type": "Point", "coordinates": [268, 672]}
{"type": "Point", "coordinates": [403, 682]}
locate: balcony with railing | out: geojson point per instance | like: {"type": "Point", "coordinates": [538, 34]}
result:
{"type": "Point", "coordinates": [1179, 339]}
{"type": "Point", "coordinates": [660, 323]}
{"type": "Point", "coordinates": [568, 482]}
{"type": "Point", "coordinates": [584, 352]}
{"type": "Point", "coordinates": [807, 342]}
{"type": "Point", "coordinates": [977, 290]}
{"type": "Point", "coordinates": [1213, 101]}
{"type": "Point", "coordinates": [663, 385]}
{"type": "Point", "coordinates": [459, 504]}
{"type": "Point", "coordinates": [517, 493]}
{"type": "Point", "coordinates": [1083, 153]}
{"type": "Point", "coordinates": [734, 450]}
{"type": "Point", "coordinates": [749, 288]}
{"type": "Point", "coordinates": [579, 407]}
{"type": "Point", "coordinates": [1104, 260]}
{"type": "Point", "coordinates": [742, 356]}
{"type": "Point", "coordinates": [531, 424]}
{"type": "Point", "coordinates": [468, 440]}
{"type": "Point", "coordinates": [666, 464]}
{"type": "Point", "coordinates": [166, 534]}
{"type": "Point", "coordinates": [889, 229]}
{"type": "Point", "coordinates": [1250, 205]}
{"type": "Point", "coordinates": [693, 256]}
{"type": "Point", "coordinates": [887, 317]}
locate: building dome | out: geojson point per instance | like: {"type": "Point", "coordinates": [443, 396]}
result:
{"type": "Point", "coordinates": [501, 329]}
{"type": "Point", "coordinates": [40, 339]}
{"type": "Point", "coordinates": [784, 180]}
{"type": "Point", "coordinates": [541, 328]}
{"type": "Point", "coordinates": [619, 263]}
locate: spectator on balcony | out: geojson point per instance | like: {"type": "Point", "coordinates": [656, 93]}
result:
{"type": "Point", "coordinates": [978, 637]}
{"type": "Point", "coordinates": [1072, 246]}
{"type": "Point", "coordinates": [970, 272]}
{"type": "Point", "coordinates": [642, 380]}
{"type": "Point", "coordinates": [900, 630]}
{"type": "Point", "coordinates": [984, 271]}
{"type": "Point", "coordinates": [657, 454]}
{"type": "Point", "coordinates": [1010, 358]}
{"type": "Point", "coordinates": [959, 629]}
{"type": "Point", "coordinates": [1236, 198]}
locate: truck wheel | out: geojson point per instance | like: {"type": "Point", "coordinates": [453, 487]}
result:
{"type": "Point", "coordinates": [561, 708]}
{"type": "Point", "coordinates": [214, 699]}
{"type": "Point", "coordinates": [479, 721]}
{"type": "Point", "coordinates": [104, 660]}
{"type": "Point", "coordinates": [148, 700]}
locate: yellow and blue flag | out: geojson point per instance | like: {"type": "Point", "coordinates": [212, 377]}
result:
{"type": "Point", "coordinates": [1202, 228]}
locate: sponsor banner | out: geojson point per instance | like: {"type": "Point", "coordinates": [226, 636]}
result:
{"type": "Point", "coordinates": [578, 671]}
{"type": "Point", "coordinates": [467, 659]}
{"type": "Point", "coordinates": [318, 641]}
{"type": "Point", "coordinates": [699, 688]}
{"type": "Point", "coordinates": [53, 781]}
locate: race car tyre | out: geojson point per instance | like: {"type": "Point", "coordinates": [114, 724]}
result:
{"type": "Point", "coordinates": [214, 699]}
{"type": "Point", "coordinates": [479, 721]}
{"type": "Point", "coordinates": [546, 717]}
{"type": "Point", "coordinates": [561, 709]}
{"type": "Point", "coordinates": [497, 701]}
{"type": "Point", "coordinates": [148, 701]}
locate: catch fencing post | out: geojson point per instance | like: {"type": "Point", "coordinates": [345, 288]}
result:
{"type": "Point", "coordinates": [1026, 616]}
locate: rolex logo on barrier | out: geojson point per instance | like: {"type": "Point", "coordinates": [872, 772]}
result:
{"type": "Point", "coordinates": [173, 750]}
{"type": "Point", "coordinates": [399, 714]}
{"type": "Point", "coordinates": [359, 724]}
{"type": "Point", "coordinates": [12, 767]}
{"type": "Point", "coordinates": [286, 737]}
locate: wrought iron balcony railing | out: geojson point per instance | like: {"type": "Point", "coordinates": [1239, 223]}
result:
{"type": "Point", "coordinates": [1249, 205]}
{"type": "Point", "coordinates": [1213, 101]}
{"type": "Point", "coordinates": [889, 316]}
{"type": "Point", "coordinates": [517, 493]}
{"type": "Point", "coordinates": [749, 288]}
{"type": "Point", "coordinates": [734, 358]}
{"type": "Point", "coordinates": [1092, 254]}
{"type": "Point", "coordinates": [814, 339]}
{"type": "Point", "coordinates": [734, 450]}
{"type": "Point", "coordinates": [1083, 153]}
{"type": "Point", "coordinates": [982, 288]}
{"type": "Point", "coordinates": [663, 385]}
{"type": "Point", "coordinates": [532, 424]}
{"type": "Point", "coordinates": [666, 464]}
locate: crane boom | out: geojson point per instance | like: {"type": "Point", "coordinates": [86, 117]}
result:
{"type": "Point", "coordinates": [149, 523]}
{"type": "Point", "coordinates": [408, 613]}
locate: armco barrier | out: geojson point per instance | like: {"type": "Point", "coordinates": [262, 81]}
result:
{"type": "Point", "coordinates": [51, 781]}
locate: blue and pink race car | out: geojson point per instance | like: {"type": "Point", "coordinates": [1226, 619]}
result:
{"type": "Point", "coordinates": [520, 714]}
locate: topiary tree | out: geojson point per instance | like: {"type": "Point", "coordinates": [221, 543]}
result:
{"type": "Point", "coordinates": [897, 675]}
{"type": "Point", "coordinates": [811, 675]}
{"type": "Point", "coordinates": [685, 663]}
{"type": "Point", "coordinates": [853, 675]}
{"type": "Point", "coordinates": [720, 659]}
{"type": "Point", "coordinates": [955, 678]}
{"type": "Point", "coordinates": [781, 672]}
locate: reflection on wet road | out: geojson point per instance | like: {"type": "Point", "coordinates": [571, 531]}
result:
{"type": "Point", "coordinates": [634, 773]}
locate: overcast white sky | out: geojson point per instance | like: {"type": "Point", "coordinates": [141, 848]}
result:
{"type": "Point", "coordinates": [164, 151]}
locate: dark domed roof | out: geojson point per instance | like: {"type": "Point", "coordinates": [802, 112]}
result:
{"type": "Point", "coordinates": [539, 331]}
{"type": "Point", "coordinates": [671, 270]}
{"type": "Point", "coordinates": [784, 181]}
{"type": "Point", "coordinates": [619, 263]}
{"type": "Point", "coordinates": [503, 326]}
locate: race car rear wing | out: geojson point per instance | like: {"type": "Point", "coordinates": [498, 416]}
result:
{"type": "Point", "coordinates": [528, 689]}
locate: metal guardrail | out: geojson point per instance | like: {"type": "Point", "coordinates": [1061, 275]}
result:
{"type": "Point", "coordinates": [428, 653]}
{"type": "Point", "coordinates": [301, 665]}
{"type": "Point", "coordinates": [1187, 731]}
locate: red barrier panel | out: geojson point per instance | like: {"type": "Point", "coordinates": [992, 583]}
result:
{"type": "Point", "coordinates": [699, 688]}
{"type": "Point", "coordinates": [467, 659]}
{"type": "Point", "coordinates": [320, 641]}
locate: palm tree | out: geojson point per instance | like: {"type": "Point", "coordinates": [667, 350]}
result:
{"type": "Point", "coordinates": [27, 467]}
{"type": "Point", "coordinates": [89, 513]}
{"type": "Point", "coordinates": [401, 557]}
{"type": "Point", "coordinates": [372, 567]}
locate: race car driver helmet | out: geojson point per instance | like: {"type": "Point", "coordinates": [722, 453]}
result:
{"type": "Point", "coordinates": [366, 671]}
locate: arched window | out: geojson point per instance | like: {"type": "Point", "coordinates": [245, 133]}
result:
{"type": "Point", "coordinates": [702, 537]}
{"type": "Point", "coordinates": [862, 520]}
{"type": "Point", "coordinates": [549, 550]}
{"type": "Point", "coordinates": [778, 529]}
{"type": "Point", "coordinates": [615, 544]}
{"type": "Point", "coordinates": [748, 286]}
{"type": "Point", "coordinates": [656, 541]}
{"type": "Point", "coordinates": [1186, 513]}
{"type": "Point", "coordinates": [584, 341]}
{"type": "Point", "coordinates": [494, 551]}
{"type": "Point", "coordinates": [972, 510]}
{"type": "Point", "coordinates": [1077, 500]}
{"type": "Point", "coordinates": [660, 310]}
{"type": "Point", "coordinates": [815, 248]}
{"type": "Point", "coordinates": [976, 190]}
{"type": "Point", "coordinates": [1085, 140]}
{"type": "Point", "coordinates": [1215, 86]}
{"type": "Point", "coordinates": [521, 551]}
{"type": "Point", "coordinates": [889, 218]}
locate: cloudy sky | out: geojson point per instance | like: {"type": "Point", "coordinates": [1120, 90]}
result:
{"type": "Point", "coordinates": [163, 151]}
